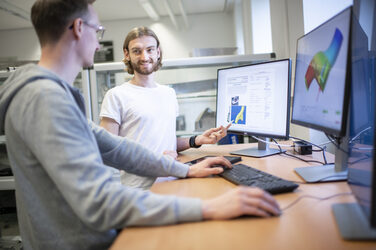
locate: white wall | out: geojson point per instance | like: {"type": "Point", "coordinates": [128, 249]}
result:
{"type": "Point", "coordinates": [314, 15]}
{"type": "Point", "coordinates": [238, 27]}
{"type": "Point", "coordinates": [22, 43]}
{"type": "Point", "coordinates": [261, 26]}
{"type": "Point", "coordinates": [287, 26]}
{"type": "Point", "coordinates": [206, 30]}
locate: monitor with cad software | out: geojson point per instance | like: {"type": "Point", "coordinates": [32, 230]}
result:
{"type": "Point", "coordinates": [256, 99]}
{"type": "Point", "coordinates": [321, 90]}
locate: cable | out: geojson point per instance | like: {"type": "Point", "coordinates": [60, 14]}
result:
{"type": "Point", "coordinates": [324, 143]}
{"type": "Point", "coordinates": [318, 150]}
{"type": "Point", "coordinates": [304, 159]}
{"type": "Point", "coordinates": [280, 149]}
{"type": "Point", "coordinates": [333, 140]}
{"type": "Point", "coordinates": [322, 148]}
{"type": "Point", "coordinates": [313, 197]}
{"type": "Point", "coordinates": [296, 138]}
{"type": "Point", "coordinates": [270, 143]}
{"type": "Point", "coordinates": [361, 132]}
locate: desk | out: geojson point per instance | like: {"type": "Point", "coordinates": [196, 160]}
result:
{"type": "Point", "coordinates": [309, 224]}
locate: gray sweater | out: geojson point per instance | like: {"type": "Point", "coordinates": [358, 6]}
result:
{"type": "Point", "coordinates": [66, 196]}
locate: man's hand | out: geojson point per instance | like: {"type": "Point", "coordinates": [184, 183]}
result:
{"type": "Point", "coordinates": [203, 168]}
{"type": "Point", "coordinates": [212, 136]}
{"type": "Point", "coordinates": [171, 153]}
{"type": "Point", "coordinates": [240, 201]}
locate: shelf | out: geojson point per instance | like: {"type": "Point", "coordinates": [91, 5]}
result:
{"type": "Point", "coordinates": [7, 183]}
{"type": "Point", "coordinates": [194, 62]}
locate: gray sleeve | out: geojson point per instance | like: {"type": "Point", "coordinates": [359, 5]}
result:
{"type": "Point", "coordinates": [123, 153]}
{"type": "Point", "coordinates": [59, 137]}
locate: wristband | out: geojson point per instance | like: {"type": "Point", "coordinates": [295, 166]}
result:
{"type": "Point", "coordinates": [192, 142]}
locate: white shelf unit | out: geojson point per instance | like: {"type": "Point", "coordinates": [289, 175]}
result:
{"type": "Point", "coordinates": [189, 71]}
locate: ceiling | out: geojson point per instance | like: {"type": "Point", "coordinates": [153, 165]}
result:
{"type": "Point", "coordinates": [113, 10]}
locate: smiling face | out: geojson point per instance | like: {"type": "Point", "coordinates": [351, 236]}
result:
{"type": "Point", "coordinates": [143, 54]}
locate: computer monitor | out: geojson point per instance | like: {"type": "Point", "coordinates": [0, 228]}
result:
{"type": "Point", "coordinates": [357, 221]}
{"type": "Point", "coordinates": [256, 99]}
{"type": "Point", "coordinates": [322, 90]}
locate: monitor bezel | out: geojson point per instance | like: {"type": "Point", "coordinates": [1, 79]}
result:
{"type": "Point", "coordinates": [287, 132]}
{"type": "Point", "coordinates": [355, 28]}
{"type": "Point", "coordinates": [372, 215]}
{"type": "Point", "coordinates": [345, 105]}
{"type": "Point", "coordinates": [372, 218]}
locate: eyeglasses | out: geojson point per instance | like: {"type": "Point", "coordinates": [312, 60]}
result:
{"type": "Point", "coordinates": [98, 28]}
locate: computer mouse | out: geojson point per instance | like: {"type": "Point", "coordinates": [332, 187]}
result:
{"type": "Point", "coordinates": [220, 166]}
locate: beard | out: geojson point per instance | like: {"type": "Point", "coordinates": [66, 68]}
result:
{"type": "Point", "coordinates": [144, 71]}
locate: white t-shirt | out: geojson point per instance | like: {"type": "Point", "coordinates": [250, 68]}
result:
{"type": "Point", "coordinates": [146, 115]}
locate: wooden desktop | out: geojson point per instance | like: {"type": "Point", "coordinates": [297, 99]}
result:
{"type": "Point", "coordinates": [309, 224]}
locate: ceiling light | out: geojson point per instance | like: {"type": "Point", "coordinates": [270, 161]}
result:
{"type": "Point", "coordinates": [170, 13]}
{"type": "Point", "coordinates": [149, 9]}
{"type": "Point", "coordinates": [14, 10]}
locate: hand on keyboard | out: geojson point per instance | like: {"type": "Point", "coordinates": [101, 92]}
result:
{"type": "Point", "coordinates": [209, 166]}
{"type": "Point", "coordinates": [241, 201]}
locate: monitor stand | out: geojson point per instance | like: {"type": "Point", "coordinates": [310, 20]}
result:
{"type": "Point", "coordinates": [262, 150]}
{"type": "Point", "coordinates": [352, 222]}
{"type": "Point", "coordinates": [328, 172]}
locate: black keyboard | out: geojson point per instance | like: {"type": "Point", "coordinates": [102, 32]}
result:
{"type": "Point", "coordinates": [244, 175]}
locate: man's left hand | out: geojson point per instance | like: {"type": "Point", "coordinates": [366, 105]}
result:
{"type": "Point", "coordinates": [205, 168]}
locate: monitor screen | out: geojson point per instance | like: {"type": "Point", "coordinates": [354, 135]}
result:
{"type": "Point", "coordinates": [361, 161]}
{"type": "Point", "coordinates": [357, 221]}
{"type": "Point", "coordinates": [321, 76]}
{"type": "Point", "coordinates": [361, 173]}
{"type": "Point", "coordinates": [255, 98]}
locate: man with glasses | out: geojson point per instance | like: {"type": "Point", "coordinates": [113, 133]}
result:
{"type": "Point", "coordinates": [66, 196]}
{"type": "Point", "coordinates": [99, 29]}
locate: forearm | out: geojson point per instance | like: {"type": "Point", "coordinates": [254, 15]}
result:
{"type": "Point", "coordinates": [124, 154]}
{"type": "Point", "coordinates": [182, 144]}
{"type": "Point", "coordinates": [185, 143]}
{"type": "Point", "coordinates": [110, 125]}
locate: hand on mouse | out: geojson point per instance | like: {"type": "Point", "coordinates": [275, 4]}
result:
{"type": "Point", "coordinates": [204, 168]}
{"type": "Point", "coordinates": [240, 201]}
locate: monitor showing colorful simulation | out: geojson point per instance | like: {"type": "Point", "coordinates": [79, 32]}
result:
{"type": "Point", "coordinates": [321, 75]}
